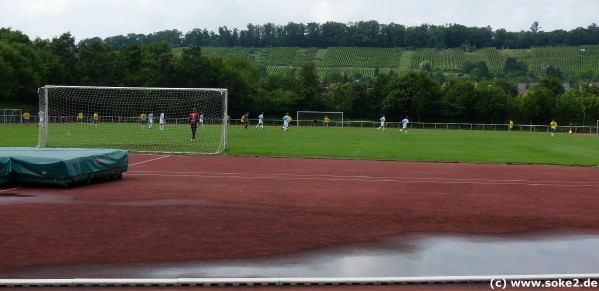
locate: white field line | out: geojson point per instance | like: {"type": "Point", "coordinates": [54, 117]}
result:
{"type": "Point", "coordinates": [146, 161]}
{"type": "Point", "coordinates": [244, 175]}
{"type": "Point", "coordinates": [10, 189]}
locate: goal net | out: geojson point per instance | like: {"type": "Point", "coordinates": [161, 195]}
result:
{"type": "Point", "coordinates": [316, 118]}
{"type": "Point", "coordinates": [112, 117]}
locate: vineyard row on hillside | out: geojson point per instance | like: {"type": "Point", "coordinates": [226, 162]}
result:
{"type": "Point", "coordinates": [568, 59]}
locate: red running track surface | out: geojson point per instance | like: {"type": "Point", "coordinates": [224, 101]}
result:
{"type": "Point", "coordinates": [183, 208]}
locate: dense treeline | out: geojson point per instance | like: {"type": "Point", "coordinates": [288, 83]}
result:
{"type": "Point", "coordinates": [363, 34]}
{"type": "Point", "coordinates": [26, 65]}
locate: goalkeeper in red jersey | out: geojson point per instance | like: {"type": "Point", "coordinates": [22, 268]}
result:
{"type": "Point", "coordinates": [194, 117]}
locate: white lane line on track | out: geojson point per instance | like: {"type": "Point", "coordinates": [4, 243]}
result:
{"type": "Point", "coordinates": [10, 189]}
{"type": "Point", "coordinates": [366, 178]}
{"type": "Point", "coordinates": [143, 162]}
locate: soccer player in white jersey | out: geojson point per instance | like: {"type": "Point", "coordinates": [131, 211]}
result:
{"type": "Point", "coordinates": [162, 121]}
{"type": "Point", "coordinates": [41, 116]}
{"type": "Point", "coordinates": [404, 123]}
{"type": "Point", "coordinates": [260, 121]}
{"type": "Point", "coordinates": [201, 119]}
{"type": "Point", "coordinates": [286, 122]}
{"type": "Point", "coordinates": [150, 120]}
{"type": "Point", "coordinates": [382, 123]}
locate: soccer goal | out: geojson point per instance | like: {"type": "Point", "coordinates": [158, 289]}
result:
{"type": "Point", "coordinates": [316, 118]}
{"type": "Point", "coordinates": [132, 118]}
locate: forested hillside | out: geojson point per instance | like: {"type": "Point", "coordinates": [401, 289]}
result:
{"type": "Point", "coordinates": [461, 84]}
{"type": "Point", "coordinates": [363, 34]}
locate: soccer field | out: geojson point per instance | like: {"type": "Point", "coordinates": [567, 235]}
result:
{"type": "Point", "coordinates": [346, 143]}
{"type": "Point", "coordinates": [175, 137]}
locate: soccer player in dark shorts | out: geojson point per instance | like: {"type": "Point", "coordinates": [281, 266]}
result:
{"type": "Point", "coordinates": [194, 116]}
{"type": "Point", "coordinates": [246, 120]}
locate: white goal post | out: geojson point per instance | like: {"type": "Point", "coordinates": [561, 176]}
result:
{"type": "Point", "coordinates": [113, 118]}
{"type": "Point", "coordinates": [316, 118]}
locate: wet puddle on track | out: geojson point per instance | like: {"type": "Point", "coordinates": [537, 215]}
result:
{"type": "Point", "coordinates": [405, 257]}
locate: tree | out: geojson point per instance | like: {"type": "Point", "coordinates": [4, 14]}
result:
{"type": "Point", "coordinates": [554, 85]}
{"type": "Point", "coordinates": [350, 98]}
{"type": "Point", "coordinates": [554, 72]}
{"type": "Point", "coordinates": [172, 37]}
{"type": "Point", "coordinates": [309, 88]}
{"type": "Point", "coordinates": [157, 66]}
{"type": "Point", "coordinates": [570, 109]}
{"type": "Point", "coordinates": [417, 36]}
{"type": "Point", "coordinates": [492, 104]}
{"type": "Point", "coordinates": [392, 35]}
{"type": "Point", "coordinates": [538, 106]}
{"type": "Point", "coordinates": [534, 28]}
{"type": "Point", "coordinates": [97, 64]}
{"type": "Point", "coordinates": [513, 65]}
{"type": "Point", "coordinates": [7, 78]}
{"type": "Point", "coordinates": [333, 34]}
{"type": "Point", "coordinates": [459, 100]}
{"type": "Point", "coordinates": [197, 37]}
{"type": "Point", "coordinates": [269, 34]}
{"type": "Point", "coordinates": [14, 36]}
{"type": "Point", "coordinates": [64, 48]}
{"type": "Point", "coordinates": [366, 33]}
{"type": "Point", "coordinates": [294, 34]}
{"type": "Point", "coordinates": [239, 76]}
{"type": "Point", "coordinates": [21, 72]}
{"type": "Point", "coordinates": [276, 93]}
{"type": "Point", "coordinates": [250, 37]}
{"type": "Point", "coordinates": [192, 68]}
{"type": "Point", "coordinates": [129, 63]}
{"type": "Point", "coordinates": [415, 93]}
{"type": "Point", "coordinates": [375, 95]}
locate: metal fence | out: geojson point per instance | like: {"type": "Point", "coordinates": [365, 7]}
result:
{"type": "Point", "coordinates": [364, 123]}
{"type": "Point", "coordinates": [11, 115]}
{"type": "Point", "coordinates": [435, 125]}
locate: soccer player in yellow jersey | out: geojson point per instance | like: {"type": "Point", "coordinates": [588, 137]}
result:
{"type": "Point", "coordinates": [143, 119]}
{"type": "Point", "coordinates": [553, 126]}
{"type": "Point", "coordinates": [326, 120]}
{"type": "Point", "coordinates": [510, 126]}
{"type": "Point", "coordinates": [26, 117]}
{"type": "Point", "coordinates": [80, 118]}
{"type": "Point", "coordinates": [95, 119]}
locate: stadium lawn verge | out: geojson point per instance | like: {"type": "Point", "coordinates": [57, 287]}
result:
{"type": "Point", "coordinates": [521, 147]}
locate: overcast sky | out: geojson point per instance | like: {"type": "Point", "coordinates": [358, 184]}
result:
{"type": "Point", "coordinates": [103, 18]}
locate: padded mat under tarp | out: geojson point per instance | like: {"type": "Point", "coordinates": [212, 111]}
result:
{"type": "Point", "coordinates": [5, 169]}
{"type": "Point", "coordinates": [61, 166]}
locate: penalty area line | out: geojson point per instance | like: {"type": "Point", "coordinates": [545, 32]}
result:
{"type": "Point", "coordinates": [150, 160]}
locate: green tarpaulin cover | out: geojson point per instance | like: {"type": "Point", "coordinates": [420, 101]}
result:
{"type": "Point", "coordinates": [60, 166]}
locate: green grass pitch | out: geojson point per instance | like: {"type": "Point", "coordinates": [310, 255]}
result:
{"type": "Point", "coordinates": [520, 147]}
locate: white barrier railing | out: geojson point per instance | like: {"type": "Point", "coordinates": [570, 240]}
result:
{"type": "Point", "coordinates": [437, 125]}
{"type": "Point", "coordinates": [364, 123]}
{"type": "Point", "coordinates": [157, 282]}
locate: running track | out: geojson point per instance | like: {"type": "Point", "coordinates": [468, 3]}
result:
{"type": "Point", "coordinates": [179, 208]}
